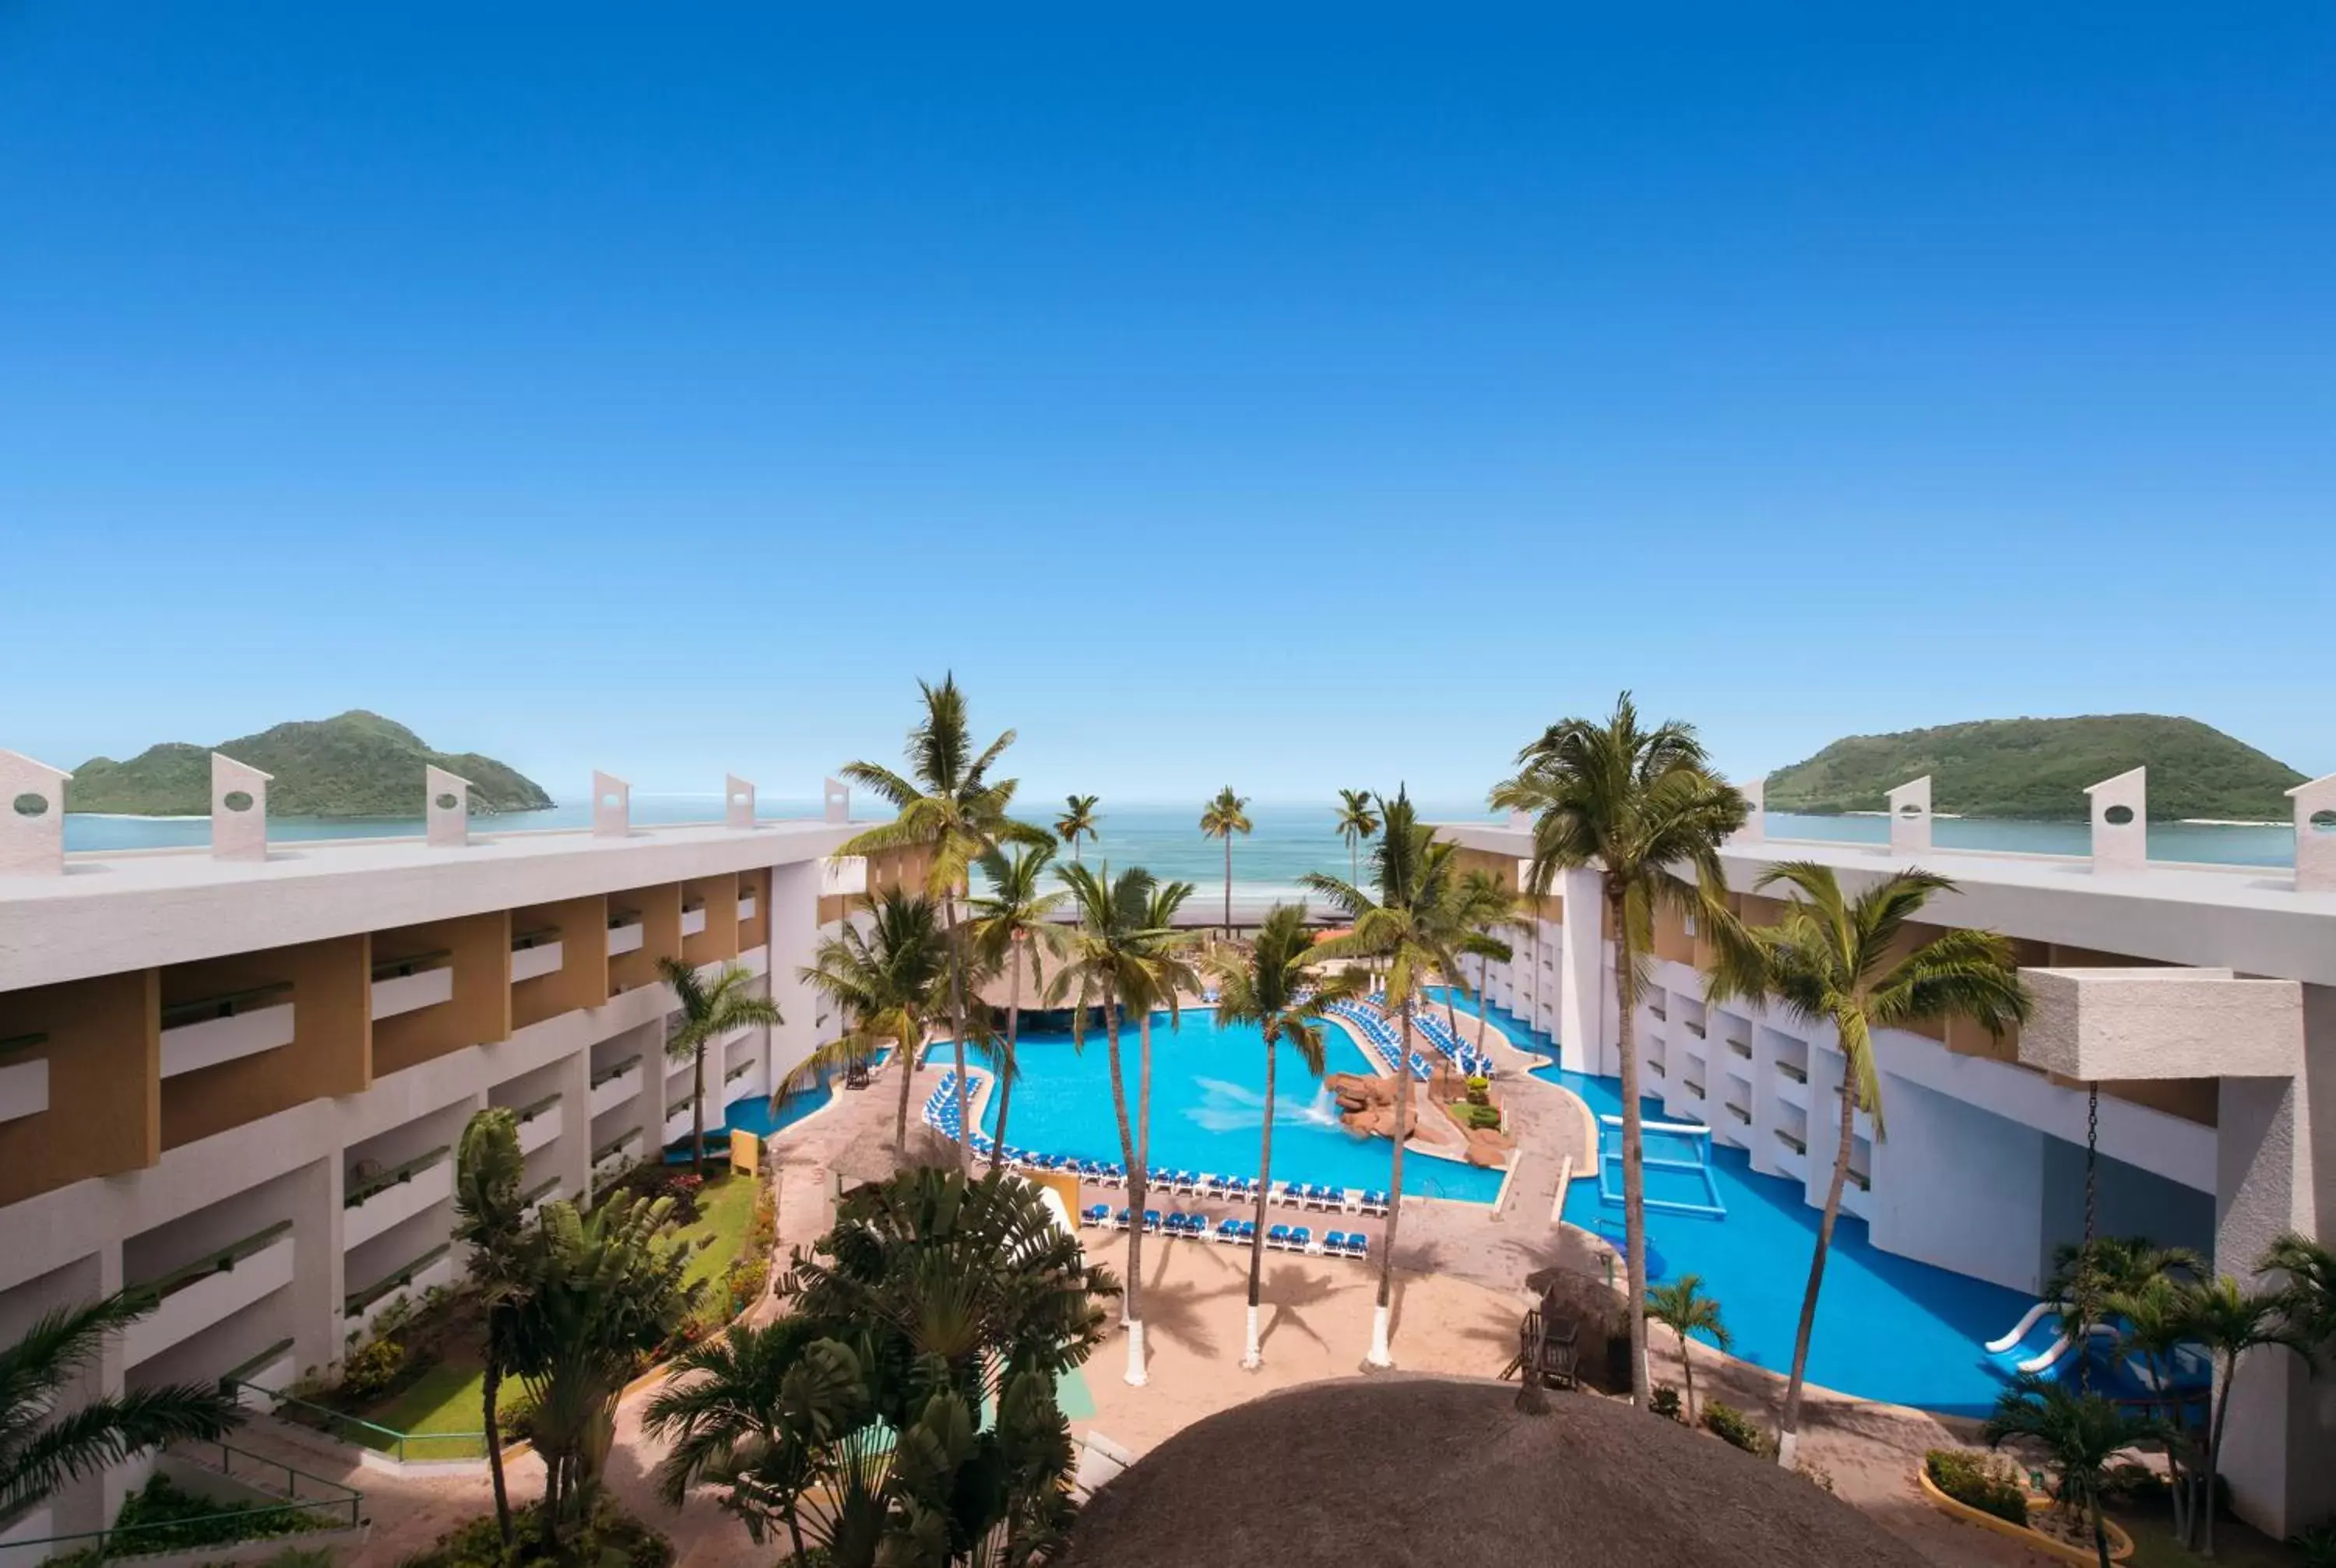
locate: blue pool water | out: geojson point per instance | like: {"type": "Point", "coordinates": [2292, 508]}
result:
{"type": "Point", "coordinates": [1887, 1328]}
{"type": "Point", "coordinates": [1208, 1094]}
{"type": "Point", "coordinates": [754, 1115]}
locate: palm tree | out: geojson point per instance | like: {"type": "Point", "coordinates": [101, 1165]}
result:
{"type": "Point", "coordinates": [1833, 960]}
{"type": "Point", "coordinates": [1108, 963]}
{"type": "Point", "coordinates": [490, 1219]}
{"type": "Point", "coordinates": [2081, 1436]}
{"type": "Point", "coordinates": [599, 1293]}
{"type": "Point", "coordinates": [1015, 917]}
{"type": "Point", "coordinates": [1683, 1309]}
{"type": "Point", "coordinates": [933, 1296]}
{"type": "Point", "coordinates": [1077, 822]}
{"type": "Point", "coordinates": [1633, 803]}
{"type": "Point", "coordinates": [886, 982]}
{"type": "Point", "coordinates": [2229, 1320]}
{"type": "Point", "coordinates": [43, 1447]}
{"type": "Point", "coordinates": [1277, 987]}
{"type": "Point", "coordinates": [1415, 927]}
{"type": "Point", "coordinates": [2153, 1318]}
{"type": "Point", "coordinates": [2311, 1269]}
{"type": "Point", "coordinates": [708, 1012]}
{"type": "Point", "coordinates": [1221, 819]}
{"type": "Point", "coordinates": [1482, 906]}
{"type": "Point", "coordinates": [1356, 822]}
{"type": "Point", "coordinates": [1167, 976]}
{"type": "Point", "coordinates": [953, 809]}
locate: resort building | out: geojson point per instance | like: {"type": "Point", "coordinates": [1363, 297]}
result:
{"type": "Point", "coordinates": [2199, 1000]}
{"type": "Point", "coordinates": [235, 1077]}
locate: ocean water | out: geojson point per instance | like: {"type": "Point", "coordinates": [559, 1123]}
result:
{"type": "Point", "coordinates": [1289, 838]}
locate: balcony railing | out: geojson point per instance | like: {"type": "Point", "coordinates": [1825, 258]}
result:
{"type": "Point", "coordinates": [543, 1190]}
{"type": "Point", "coordinates": [356, 1304]}
{"type": "Point", "coordinates": [528, 1113]}
{"type": "Point", "coordinates": [411, 964]}
{"type": "Point", "coordinates": [14, 1043]}
{"type": "Point", "coordinates": [375, 1187]}
{"type": "Point", "coordinates": [740, 1071]}
{"type": "Point", "coordinates": [226, 1005]}
{"type": "Point", "coordinates": [1861, 1181]}
{"type": "Point", "coordinates": [1740, 1113]}
{"type": "Point", "coordinates": [1791, 1142]}
{"type": "Point", "coordinates": [538, 937]}
{"type": "Point", "coordinates": [610, 1074]}
{"type": "Point", "coordinates": [219, 1262]}
{"type": "Point", "coordinates": [1694, 1088]}
{"type": "Point", "coordinates": [1794, 1071]}
{"type": "Point", "coordinates": [1693, 1029]}
{"type": "Point", "coordinates": [1741, 1048]}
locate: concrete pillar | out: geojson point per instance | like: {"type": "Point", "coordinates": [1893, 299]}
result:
{"type": "Point", "coordinates": [1910, 817]}
{"type": "Point", "coordinates": [447, 808]}
{"type": "Point", "coordinates": [737, 801]}
{"type": "Point", "coordinates": [795, 934]}
{"type": "Point", "coordinates": [2315, 834]}
{"type": "Point", "coordinates": [238, 811]}
{"type": "Point", "coordinates": [2269, 1179]}
{"type": "Point", "coordinates": [1755, 820]}
{"type": "Point", "coordinates": [321, 1269]}
{"type": "Point", "coordinates": [612, 805]}
{"type": "Point", "coordinates": [1581, 972]}
{"type": "Point", "coordinates": [572, 1155]}
{"type": "Point", "coordinates": [32, 817]}
{"type": "Point", "coordinates": [838, 802]}
{"type": "Point", "coordinates": [2120, 812]}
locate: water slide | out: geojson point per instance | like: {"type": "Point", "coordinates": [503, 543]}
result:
{"type": "Point", "coordinates": [2052, 1354]}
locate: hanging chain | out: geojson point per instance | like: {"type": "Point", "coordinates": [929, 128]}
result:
{"type": "Point", "coordinates": [2092, 1158]}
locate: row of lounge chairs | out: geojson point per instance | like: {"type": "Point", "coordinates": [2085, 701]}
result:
{"type": "Point", "coordinates": [1380, 1035]}
{"type": "Point", "coordinates": [1232, 1233]}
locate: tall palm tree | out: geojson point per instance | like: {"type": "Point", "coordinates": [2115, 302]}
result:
{"type": "Point", "coordinates": [43, 1447]}
{"type": "Point", "coordinates": [1633, 803]}
{"type": "Point", "coordinates": [1277, 987]}
{"type": "Point", "coordinates": [951, 807]}
{"type": "Point", "coordinates": [1833, 960]}
{"type": "Point", "coordinates": [1013, 919]}
{"type": "Point", "coordinates": [2154, 1323]}
{"type": "Point", "coordinates": [1483, 907]}
{"type": "Point", "coordinates": [1108, 964]}
{"type": "Point", "coordinates": [1414, 926]}
{"type": "Point", "coordinates": [2081, 1436]}
{"type": "Point", "coordinates": [601, 1292]}
{"type": "Point", "coordinates": [490, 1219]}
{"type": "Point", "coordinates": [708, 1012]}
{"type": "Point", "coordinates": [1223, 817]}
{"type": "Point", "coordinates": [887, 983]}
{"type": "Point", "coordinates": [2230, 1321]}
{"type": "Point", "coordinates": [1356, 822]}
{"type": "Point", "coordinates": [1077, 822]}
{"type": "Point", "coordinates": [1168, 974]}
{"type": "Point", "coordinates": [1683, 1309]}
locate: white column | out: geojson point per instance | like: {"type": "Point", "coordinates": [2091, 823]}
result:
{"type": "Point", "coordinates": [320, 1271]}
{"type": "Point", "coordinates": [1581, 972]}
{"type": "Point", "coordinates": [794, 933]}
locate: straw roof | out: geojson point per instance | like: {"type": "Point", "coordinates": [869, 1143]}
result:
{"type": "Point", "coordinates": [1444, 1472]}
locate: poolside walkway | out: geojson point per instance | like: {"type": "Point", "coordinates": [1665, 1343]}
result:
{"type": "Point", "coordinates": [1458, 1296]}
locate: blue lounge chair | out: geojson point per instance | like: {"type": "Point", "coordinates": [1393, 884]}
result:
{"type": "Point", "coordinates": [1277, 1237]}
{"type": "Point", "coordinates": [1248, 1230]}
{"type": "Point", "coordinates": [1151, 1221]}
{"type": "Point", "coordinates": [1301, 1238]}
{"type": "Point", "coordinates": [1228, 1230]}
{"type": "Point", "coordinates": [1120, 1220]}
{"type": "Point", "coordinates": [1335, 1243]}
{"type": "Point", "coordinates": [1359, 1246]}
{"type": "Point", "coordinates": [1097, 1214]}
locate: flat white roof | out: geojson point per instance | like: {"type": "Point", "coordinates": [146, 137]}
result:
{"type": "Point", "coordinates": [126, 910]}
{"type": "Point", "coordinates": [2251, 918]}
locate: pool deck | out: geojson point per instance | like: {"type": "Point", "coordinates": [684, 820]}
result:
{"type": "Point", "coordinates": [1459, 1273]}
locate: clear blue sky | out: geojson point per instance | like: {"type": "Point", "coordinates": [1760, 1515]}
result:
{"type": "Point", "coordinates": [1287, 397]}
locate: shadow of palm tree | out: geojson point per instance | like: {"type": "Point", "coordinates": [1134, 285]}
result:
{"type": "Point", "coordinates": [1288, 1290]}
{"type": "Point", "coordinates": [1173, 1309]}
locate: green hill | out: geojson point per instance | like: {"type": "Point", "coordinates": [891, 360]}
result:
{"type": "Point", "coordinates": [2039, 768]}
{"type": "Point", "coordinates": [359, 764]}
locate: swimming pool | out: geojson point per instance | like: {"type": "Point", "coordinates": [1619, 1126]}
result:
{"type": "Point", "coordinates": [1207, 1106]}
{"type": "Point", "coordinates": [755, 1114]}
{"type": "Point", "coordinates": [1887, 1328]}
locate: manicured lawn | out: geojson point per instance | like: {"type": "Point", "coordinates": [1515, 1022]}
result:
{"type": "Point", "coordinates": [439, 1407]}
{"type": "Point", "coordinates": [725, 1212]}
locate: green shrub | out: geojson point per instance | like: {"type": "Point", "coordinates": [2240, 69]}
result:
{"type": "Point", "coordinates": [1666, 1403]}
{"type": "Point", "coordinates": [742, 1285]}
{"type": "Point", "coordinates": [1735, 1427]}
{"type": "Point", "coordinates": [615, 1539]}
{"type": "Point", "coordinates": [169, 1518]}
{"type": "Point", "coordinates": [1480, 1091]}
{"type": "Point", "coordinates": [1469, 1116]}
{"type": "Point", "coordinates": [368, 1373]}
{"type": "Point", "coordinates": [1987, 1482]}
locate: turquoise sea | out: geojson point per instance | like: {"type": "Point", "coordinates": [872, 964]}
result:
{"type": "Point", "coordinates": [1289, 838]}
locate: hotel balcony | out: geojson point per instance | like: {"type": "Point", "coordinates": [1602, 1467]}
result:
{"type": "Point", "coordinates": [23, 1085]}
{"type": "Point", "coordinates": [742, 1082]}
{"type": "Point", "coordinates": [373, 1204]}
{"type": "Point", "coordinates": [410, 984]}
{"type": "Point", "coordinates": [615, 1084]}
{"type": "Point", "coordinates": [746, 907]}
{"type": "Point", "coordinates": [678, 1122]}
{"type": "Point", "coordinates": [1792, 1154]}
{"type": "Point", "coordinates": [539, 1124]}
{"type": "Point", "coordinates": [625, 933]}
{"type": "Point", "coordinates": [614, 1156]}
{"type": "Point", "coordinates": [362, 1309]}
{"type": "Point", "coordinates": [548, 1193]}
{"type": "Point", "coordinates": [271, 1371]}
{"type": "Point", "coordinates": [692, 919]}
{"type": "Point", "coordinates": [194, 1296]}
{"type": "Point", "coordinates": [536, 953]}
{"type": "Point", "coordinates": [209, 1030]}
{"type": "Point", "coordinates": [2102, 1024]}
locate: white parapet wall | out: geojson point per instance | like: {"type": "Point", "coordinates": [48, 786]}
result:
{"type": "Point", "coordinates": [625, 938]}
{"type": "Point", "coordinates": [193, 1305]}
{"type": "Point", "coordinates": [23, 1089]}
{"type": "Point", "coordinates": [534, 963]}
{"type": "Point", "coordinates": [410, 993]}
{"type": "Point", "coordinates": [399, 1201]}
{"type": "Point", "coordinates": [206, 1043]}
